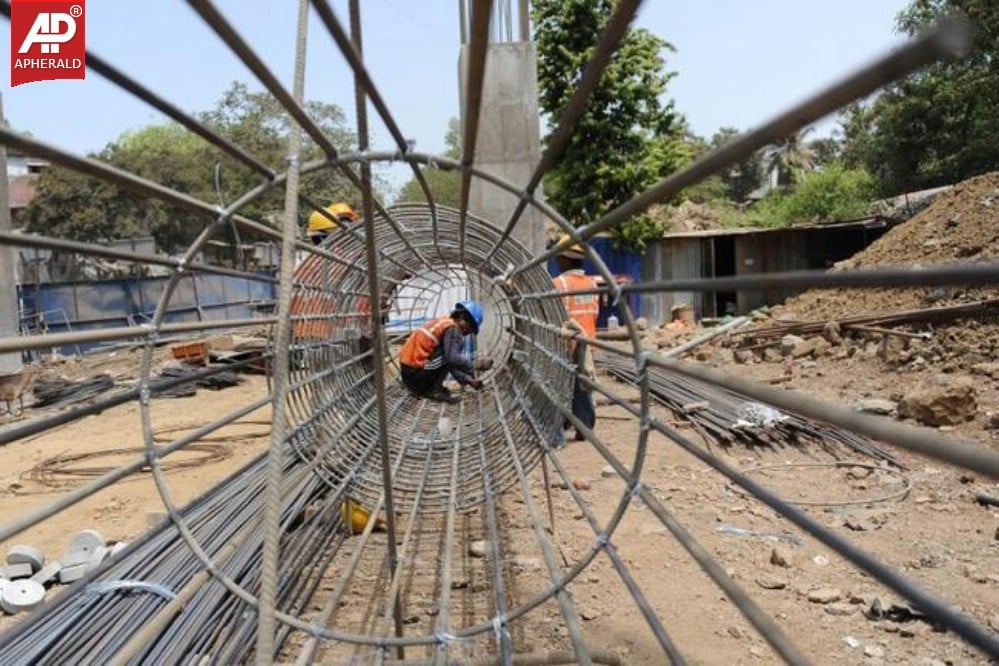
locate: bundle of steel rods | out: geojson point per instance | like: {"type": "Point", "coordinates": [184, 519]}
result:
{"type": "Point", "coordinates": [865, 322]}
{"type": "Point", "coordinates": [720, 415]}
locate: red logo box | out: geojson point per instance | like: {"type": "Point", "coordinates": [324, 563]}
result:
{"type": "Point", "coordinates": [48, 40]}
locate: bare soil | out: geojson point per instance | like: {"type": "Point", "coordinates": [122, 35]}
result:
{"type": "Point", "coordinates": [935, 534]}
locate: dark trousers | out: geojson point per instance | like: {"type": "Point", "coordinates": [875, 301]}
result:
{"type": "Point", "coordinates": [421, 381]}
{"type": "Point", "coordinates": [582, 405]}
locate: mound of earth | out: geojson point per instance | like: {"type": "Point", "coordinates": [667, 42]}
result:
{"type": "Point", "coordinates": [961, 225]}
{"type": "Point", "coordinates": [691, 216]}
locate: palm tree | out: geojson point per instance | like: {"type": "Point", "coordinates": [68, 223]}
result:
{"type": "Point", "coordinates": [790, 158]}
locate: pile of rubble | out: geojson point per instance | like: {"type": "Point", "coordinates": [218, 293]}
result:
{"type": "Point", "coordinates": [27, 573]}
{"type": "Point", "coordinates": [947, 338]}
{"type": "Point", "coordinates": [945, 397]}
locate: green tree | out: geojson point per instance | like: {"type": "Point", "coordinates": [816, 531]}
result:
{"type": "Point", "coordinates": [711, 189]}
{"type": "Point", "coordinates": [791, 158]}
{"type": "Point", "coordinates": [629, 137]}
{"type": "Point", "coordinates": [825, 150]}
{"type": "Point", "coordinates": [742, 178]}
{"type": "Point", "coordinates": [257, 122]}
{"type": "Point", "coordinates": [444, 185]}
{"type": "Point", "coordinates": [73, 206]}
{"type": "Point", "coordinates": [938, 125]}
{"type": "Point", "coordinates": [834, 193]}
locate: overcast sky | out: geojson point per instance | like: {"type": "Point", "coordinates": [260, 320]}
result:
{"type": "Point", "coordinates": [738, 61]}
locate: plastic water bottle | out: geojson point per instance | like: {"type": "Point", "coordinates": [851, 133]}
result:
{"type": "Point", "coordinates": [612, 322]}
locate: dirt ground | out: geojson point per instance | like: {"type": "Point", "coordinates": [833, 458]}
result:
{"type": "Point", "coordinates": [936, 533]}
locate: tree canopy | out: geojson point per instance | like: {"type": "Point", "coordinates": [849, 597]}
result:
{"type": "Point", "coordinates": [78, 207]}
{"type": "Point", "coordinates": [938, 125]}
{"type": "Point", "coordinates": [628, 137]}
{"type": "Point", "coordinates": [444, 185]}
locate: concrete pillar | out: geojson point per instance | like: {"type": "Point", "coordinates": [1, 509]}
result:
{"type": "Point", "coordinates": [9, 321]}
{"type": "Point", "coordinates": [509, 141]}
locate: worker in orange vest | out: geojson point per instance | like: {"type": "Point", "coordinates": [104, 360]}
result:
{"type": "Point", "coordinates": [435, 349]}
{"type": "Point", "coordinates": [583, 310]}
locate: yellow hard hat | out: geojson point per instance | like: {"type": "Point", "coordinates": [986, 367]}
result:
{"type": "Point", "coordinates": [340, 211]}
{"type": "Point", "coordinates": [319, 222]}
{"type": "Point", "coordinates": [356, 517]}
{"type": "Point", "coordinates": [574, 251]}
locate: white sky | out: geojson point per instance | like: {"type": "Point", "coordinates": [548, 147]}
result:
{"type": "Point", "coordinates": [739, 62]}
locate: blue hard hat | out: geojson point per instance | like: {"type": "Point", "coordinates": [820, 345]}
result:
{"type": "Point", "coordinates": [474, 309]}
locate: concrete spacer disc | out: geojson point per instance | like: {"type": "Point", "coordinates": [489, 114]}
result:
{"type": "Point", "coordinates": [86, 541]}
{"type": "Point", "coordinates": [97, 557]}
{"type": "Point", "coordinates": [21, 595]}
{"type": "Point", "coordinates": [22, 554]}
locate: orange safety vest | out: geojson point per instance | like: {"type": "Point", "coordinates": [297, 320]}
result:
{"type": "Point", "coordinates": [423, 342]}
{"type": "Point", "coordinates": [583, 308]}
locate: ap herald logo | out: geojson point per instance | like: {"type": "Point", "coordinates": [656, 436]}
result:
{"type": "Point", "coordinates": [47, 40]}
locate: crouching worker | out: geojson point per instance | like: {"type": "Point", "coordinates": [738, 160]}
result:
{"type": "Point", "coordinates": [434, 350]}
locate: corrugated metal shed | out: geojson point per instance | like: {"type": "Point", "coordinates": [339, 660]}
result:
{"type": "Point", "coordinates": [724, 252]}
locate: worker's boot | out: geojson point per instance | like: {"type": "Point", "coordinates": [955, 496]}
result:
{"type": "Point", "coordinates": [441, 394]}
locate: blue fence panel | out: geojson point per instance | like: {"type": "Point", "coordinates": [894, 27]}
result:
{"type": "Point", "coordinates": [83, 306]}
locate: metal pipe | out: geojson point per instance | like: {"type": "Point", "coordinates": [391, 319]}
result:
{"type": "Point", "coordinates": [472, 88]}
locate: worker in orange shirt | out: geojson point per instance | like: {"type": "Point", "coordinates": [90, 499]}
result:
{"type": "Point", "coordinates": [583, 310]}
{"type": "Point", "coordinates": [435, 350]}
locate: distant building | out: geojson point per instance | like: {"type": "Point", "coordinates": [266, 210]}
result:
{"type": "Point", "coordinates": [730, 252]}
{"type": "Point", "coordinates": [22, 180]}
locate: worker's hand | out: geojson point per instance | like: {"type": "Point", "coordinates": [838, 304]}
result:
{"type": "Point", "coordinates": [483, 364]}
{"type": "Point", "coordinates": [571, 328]}
{"type": "Point", "coordinates": [476, 384]}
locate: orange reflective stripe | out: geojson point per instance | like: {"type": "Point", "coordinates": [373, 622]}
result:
{"type": "Point", "coordinates": [423, 342]}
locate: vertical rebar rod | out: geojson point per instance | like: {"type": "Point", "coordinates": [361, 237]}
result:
{"type": "Point", "coordinates": [375, 323]}
{"type": "Point", "coordinates": [566, 605]}
{"type": "Point", "coordinates": [447, 561]}
{"type": "Point", "coordinates": [499, 586]}
{"type": "Point", "coordinates": [525, 21]}
{"type": "Point", "coordinates": [475, 74]}
{"type": "Point", "coordinates": [463, 21]}
{"type": "Point", "coordinates": [266, 622]}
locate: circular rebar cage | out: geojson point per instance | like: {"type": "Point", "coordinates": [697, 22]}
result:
{"type": "Point", "coordinates": [333, 404]}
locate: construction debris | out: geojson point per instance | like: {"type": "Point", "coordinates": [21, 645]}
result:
{"type": "Point", "coordinates": [23, 579]}
{"type": "Point", "coordinates": [872, 323]}
{"type": "Point", "coordinates": [53, 390]}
